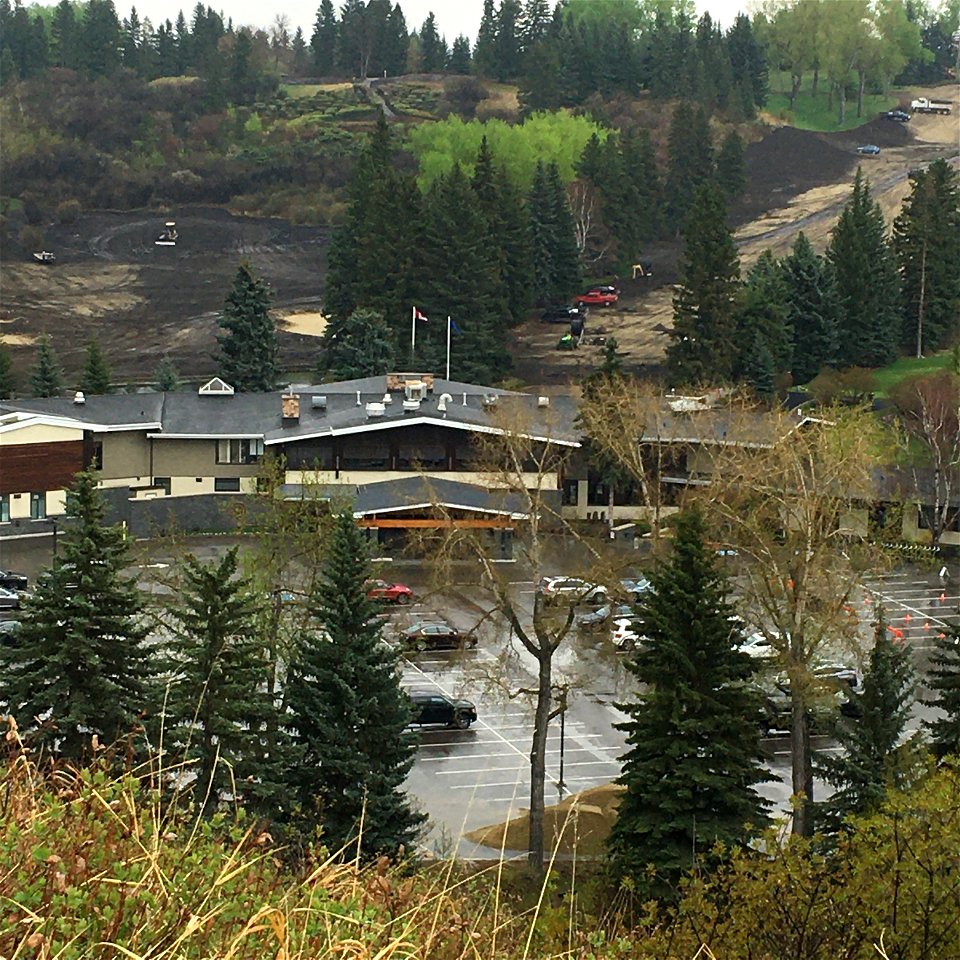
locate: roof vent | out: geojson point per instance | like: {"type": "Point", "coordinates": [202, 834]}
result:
{"type": "Point", "coordinates": [445, 398]}
{"type": "Point", "coordinates": [318, 402]}
{"type": "Point", "coordinates": [464, 398]}
{"type": "Point", "coordinates": [375, 409]}
{"type": "Point", "coordinates": [358, 398]}
{"type": "Point", "coordinates": [543, 402]}
{"type": "Point", "coordinates": [410, 405]}
{"type": "Point", "coordinates": [489, 399]}
{"type": "Point", "coordinates": [415, 390]}
{"type": "Point", "coordinates": [78, 398]}
{"type": "Point", "coordinates": [387, 397]}
{"type": "Point", "coordinates": [216, 387]}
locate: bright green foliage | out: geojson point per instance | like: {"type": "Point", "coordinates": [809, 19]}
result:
{"type": "Point", "coordinates": [873, 756]}
{"type": "Point", "coordinates": [926, 238]}
{"type": "Point", "coordinates": [813, 309]}
{"type": "Point", "coordinates": [96, 371]}
{"type": "Point", "coordinates": [556, 268]}
{"type": "Point", "coordinates": [360, 346]}
{"type": "Point", "coordinates": [167, 378]}
{"type": "Point", "coordinates": [248, 346]}
{"type": "Point", "coordinates": [867, 282]}
{"type": "Point", "coordinates": [704, 308]}
{"type": "Point", "coordinates": [690, 161]}
{"type": "Point", "coordinates": [8, 384]}
{"type": "Point", "coordinates": [731, 170]}
{"type": "Point", "coordinates": [47, 377]}
{"type": "Point", "coordinates": [349, 715]}
{"type": "Point", "coordinates": [944, 681]}
{"type": "Point", "coordinates": [694, 756]}
{"type": "Point", "coordinates": [218, 722]}
{"type": "Point", "coordinates": [80, 662]}
{"type": "Point", "coordinates": [762, 332]}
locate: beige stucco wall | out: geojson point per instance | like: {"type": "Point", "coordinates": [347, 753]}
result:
{"type": "Point", "coordinates": [548, 481]}
{"type": "Point", "coordinates": [195, 458]}
{"type": "Point", "coordinates": [39, 433]}
{"type": "Point", "coordinates": [126, 457]}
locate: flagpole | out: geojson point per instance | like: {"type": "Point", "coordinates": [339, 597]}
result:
{"type": "Point", "coordinates": [448, 348]}
{"type": "Point", "coordinates": [413, 330]}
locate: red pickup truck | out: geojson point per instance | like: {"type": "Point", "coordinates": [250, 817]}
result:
{"type": "Point", "coordinates": [604, 296]}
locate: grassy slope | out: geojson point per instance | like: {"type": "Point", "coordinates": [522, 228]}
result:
{"type": "Point", "coordinates": [886, 378]}
{"type": "Point", "coordinates": [813, 113]}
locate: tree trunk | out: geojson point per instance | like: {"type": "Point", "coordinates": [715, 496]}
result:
{"type": "Point", "coordinates": [610, 521]}
{"type": "Point", "coordinates": [802, 766]}
{"type": "Point", "coordinates": [923, 291]}
{"type": "Point", "coordinates": [843, 104]}
{"type": "Point", "coordinates": [795, 80]}
{"type": "Point", "coordinates": [538, 760]}
{"type": "Point", "coordinates": [830, 98]}
{"type": "Point", "coordinates": [860, 85]}
{"type": "Point", "coordinates": [816, 81]}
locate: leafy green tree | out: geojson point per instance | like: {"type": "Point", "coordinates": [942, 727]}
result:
{"type": "Point", "coordinates": [167, 377]}
{"type": "Point", "coordinates": [47, 377]}
{"type": "Point", "coordinates": [694, 757]}
{"type": "Point", "coordinates": [360, 346]}
{"type": "Point", "coordinates": [323, 41]}
{"type": "Point", "coordinates": [8, 383]}
{"type": "Point", "coordinates": [433, 51]}
{"type": "Point", "coordinates": [731, 170]}
{"type": "Point", "coordinates": [873, 755]}
{"type": "Point", "coordinates": [96, 370]}
{"type": "Point", "coordinates": [349, 715]}
{"type": "Point", "coordinates": [80, 666]}
{"type": "Point", "coordinates": [926, 239]}
{"type": "Point", "coordinates": [248, 345]}
{"type": "Point", "coordinates": [705, 306]}
{"type": "Point", "coordinates": [867, 282]}
{"type": "Point", "coordinates": [813, 310]}
{"type": "Point", "coordinates": [460, 60]}
{"type": "Point", "coordinates": [945, 683]}
{"type": "Point", "coordinates": [217, 718]}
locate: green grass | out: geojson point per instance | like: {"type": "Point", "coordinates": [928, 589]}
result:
{"type": "Point", "coordinates": [813, 113]}
{"type": "Point", "coordinates": [886, 378]}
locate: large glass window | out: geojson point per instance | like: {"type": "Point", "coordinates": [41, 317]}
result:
{"type": "Point", "coordinates": [5, 508]}
{"type": "Point", "coordinates": [38, 506]}
{"type": "Point", "coordinates": [239, 451]}
{"type": "Point", "coordinates": [429, 456]}
{"type": "Point", "coordinates": [226, 484]}
{"type": "Point", "coordinates": [365, 453]}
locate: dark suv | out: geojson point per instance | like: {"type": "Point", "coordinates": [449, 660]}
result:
{"type": "Point", "coordinates": [432, 707]}
{"type": "Point", "coordinates": [12, 581]}
{"type": "Point", "coordinates": [562, 314]}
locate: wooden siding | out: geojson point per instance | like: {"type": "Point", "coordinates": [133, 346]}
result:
{"type": "Point", "coordinates": [34, 467]}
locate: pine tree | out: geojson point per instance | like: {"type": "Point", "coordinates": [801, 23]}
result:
{"type": "Point", "coordinates": [80, 662]}
{"type": "Point", "coordinates": [694, 755]}
{"type": "Point", "coordinates": [926, 239]}
{"type": "Point", "coordinates": [762, 330]}
{"type": "Point", "coordinates": [867, 282]}
{"type": "Point", "coordinates": [167, 378]}
{"type": "Point", "coordinates": [360, 346]}
{"type": "Point", "coordinates": [507, 62]}
{"type": "Point", "coordinates": [96, 371]}
{"type": "Point", "coordinates": [945, 683]}
{"type": "Point", "coordinates": [323, 41]}
{"type": "Point", "coordinates": [248, 346]}
{"type": "Point", "coordinates": [813, 310]}
{"type": "Point", "coordinates": [705, 306]}
{"type": "Point", "coordinates": [689, 161]}
{"type": "Point", "coordinates": [731, 170]}
{"type": "Point", "coordinates": [873, 756]}
{"type": "Point", "coordinates": [349, 714]}
{"type": "Point", "coordinates": [565, 253]}
{"type": "Point", "coordinates": [460, 60]}
{"type": "Point", "coordinates": [484, 53]}
{"type": "Point", "coordinates": [758, 369]}
{"type": "Point", "coordinates": [749, 62]}
{"type": "Point", "coordinates": [8, 383]}
{"type": "Point", "coordinates": [217, 719]}
{"type": "Point", "coordinates": [47, 378]}
{"type": "Point", "coordinates": [433, 51]}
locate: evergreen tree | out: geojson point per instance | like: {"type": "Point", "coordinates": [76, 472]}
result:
{"type": "Point", "coordinates": [484, 53]}
{"type": "Point", "coordinates": [813, 310]}
{"type": "Point", "coordinates": [460, 60]}
{"type": "Point", "coordinates": [689, 159]}
{"type": "Point", "coordinates": [8, 384]}
{"type": "Point", "coordinates": [749, 62]}
{"type": "Point", "coordinates": [47, 378]}
{"type": "Point", "coordinates": [873, 755]}
{"type": "Point", "coordinates": [758, 369]}
{"type": "Point", "coordinates": [945, 683]}
{"type": "Point", "coordinates": [433, 51]}
{"type": "Point", "coordinates": [248, 346]}
{"type": "Point", "coordinates": [867, 282]}
{"type": "Point", "coordinates": [556, 264]}
{"type": "Point", "coordinates": [731, 170]}
{"type": "Point", "coordinates": [323, 41]}
{"type": "Point", "coordinates": [762, 331]}
{"type": "Point", "coordinates": [96, 371]}
{"type": "Point", "coordinates": [217, 718]}
{"type": "Point", "coordinates": [507, 62]}
{"type": "Point", "coordinates": [360, 346]}
{"type": "Point", "coordinates": [705, 306]}
{"type": "Point", "coordinates": [167, 378]}
{"type": "Point", "coordinates": [299, 61]}
{"type": "Point", "coordinates": [64, 36]}
{"type": "Point", "coordinates": [693, 738]}
{"type": "Point", "coordinates": [349, 715]}
{"type": "Point", "coordinates": [80, 667]}
{"type": "Point", "coordinates": [100, 38]}
{"type": "Point", "coordinates": [926, 238]}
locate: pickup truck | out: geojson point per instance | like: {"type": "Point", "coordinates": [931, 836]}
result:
{"type": "Point", "coordinates": [924, 105]}
{"type": "Point", "coordinates": [602, 296]}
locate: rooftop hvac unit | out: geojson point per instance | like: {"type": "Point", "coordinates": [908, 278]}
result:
{"type": "Point", "coordinates": [410, 405]}
{"type": "Point", "coordinates": [318, 402]}
{"type": "Point", "coordinates": [543, 401]}
{"type": "Point", "coordinates": [375, 409]}
{"type": "Point", "coordinates": [79, 398]}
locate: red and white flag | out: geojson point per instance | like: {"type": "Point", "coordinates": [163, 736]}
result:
{"type": "Point", "coordinates": [417, 315]}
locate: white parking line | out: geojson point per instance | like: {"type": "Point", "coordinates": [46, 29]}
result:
{"type": "Point", "coordinates": [524, 767]}
{"type": "Point", "coordinates": [888, 599]}
{"type": "Point", "coordinates": [493, 756]}
{"type": "Point", "coordinates": [426, 745]}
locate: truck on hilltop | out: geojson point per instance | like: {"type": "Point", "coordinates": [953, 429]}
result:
{"type": "Point", "coordinates": [924, 105]}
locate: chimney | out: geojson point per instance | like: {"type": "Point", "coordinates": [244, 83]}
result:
{"type": "Point", "coordinates": [290, 403]}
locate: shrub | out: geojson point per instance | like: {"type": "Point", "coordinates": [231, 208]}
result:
{"type": "Point", "coordinates": [31, 238]}
{"type": "Point", "coordinates": [68, 211]}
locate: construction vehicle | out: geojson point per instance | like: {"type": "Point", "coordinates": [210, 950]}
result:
{"type": "Point", "coordinates": [925, 105]}
{"type": "Point", "coordinates": [169, 235]}
{"type": "Point", "coordinates": [44, 256]}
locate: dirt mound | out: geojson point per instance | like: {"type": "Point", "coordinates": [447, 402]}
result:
{"type": "Point", "coordinates": [884, 133]}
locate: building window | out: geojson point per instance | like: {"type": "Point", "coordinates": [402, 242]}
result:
{"type": "Point", "coordinates": [164, 483]}
{"type": "Point", "coordinates": [226, 484]}
{"type": "Point", "coordinates": [239, 451]}
{"type": "Point", "coordinates": [571, 493]}
{"type": "Point", "coordinates": [5, 508]}
{"type": "Point", "coordinates": [38, 506]}
{"type": "Point", "coordinates": [96, 459]}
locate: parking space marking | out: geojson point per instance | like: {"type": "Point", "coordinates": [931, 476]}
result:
{"type": "Point", "coordinates": [522, 767]}
{"type": "Point", "coordinates": [482, 742]}
{"type": "Point", "coordinates": [493, 756]}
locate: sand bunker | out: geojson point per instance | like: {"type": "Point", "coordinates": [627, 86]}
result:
{"type": "Point", "coordinates": [306, 324]}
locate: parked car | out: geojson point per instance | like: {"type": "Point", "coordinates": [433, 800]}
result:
{"type": "Point", "coordinates": [562, 314]}
{"type": "Point", "coordinates": [9, 630]}
{"type": "Point", "coordinates": [627, 633]}
{"type": "Point", "coordinates": [435, 635]}
{"type": "Point", "coordinates": [599, 297]}
{"type": "Point", "coordinates": [398, 593]}
{"type": "Point", "coordinates": [433, 707]}
{"type": "Point", "coordinates": [601, 614]}
{"type": "Point", "coordinates": [635, 587]}
{"type": "Point", "coordinates": [571, 589]}
{"type": "Point", "coordinates": [833, 686]}
{"type": "Point", "coordinates": [757, 645]}
{"type": "Point", "coordinates": [869, 150]}
{"type": "Point", "coordinates": [10, 599]}
{"type": "Point", "coordinates": [13, 581]}
{"type": "Point", "coordinates": [901, 116]}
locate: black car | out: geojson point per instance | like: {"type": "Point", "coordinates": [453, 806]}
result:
{"type": "Point", "coordinates": [8, 631]}
{"type": "Point", "coordinates": [901, 116]}
{"type": "Point", "coordinates": [433, 707]}
{"type": "Point", "coordinates": [12, 581]}
{"type": "Point", "coordinates": [435, 635]}
{"type": "Point", "coordinates": [10, 599]}
{"type": "Point", "coordinates": [562, 314]}
{"type": "Point", "coordinates": [836, 689]}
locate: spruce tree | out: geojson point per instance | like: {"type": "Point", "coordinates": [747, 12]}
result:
{"type": "Point", "coordinates": [433, 51]}
{"type": "Point", "coordinates": [867, 282]}
{"type": "Point", "coordinates": [762, 331]}
{"type": "Point", "coordinates": [80, 667]}
{"type": "Point", "coordinates": [484, 52]}
{"type": "Point", "coordinates": [360, 346]}
{"type": "Point", "coordinates": [731, 169]}
{"type": "Point", "coordinates": [813, 310]}
{"type": "Point", "coordinates": [689, 161]}
{"type": "Point", "coordinates": [926, 238]}
{"type": "Point", "coordinates": [323, 41]}
{"type": "Point", "coordinates": [705, 306]}
{"type": "Point", "coordinates": [460, 60]}
{"type": "Point", "coordinates": [8, 384]}
{"type": "Point", "coordinates": [349, 716]}
{"type": "Point", "coordinates": [217, 718]}
{"type": "Point", "coordinates": [757, 368]}
{"type": "Point", "coordinates": [167, 378]}
{"type": "Point", "coordinates": [96, 371]}
{"type": "Point", "coordinates": [248, 346]}
{"type": "Point", "coordinates": [694, 757]}
{"type": "Point", "coordinates": [565, 253]}
{"type": "Point", "coordinates": [873, 756]}
{"type": "Point", "coordinates": [47, 377]}
{"type": "Point", "coordinates": [945, 683]}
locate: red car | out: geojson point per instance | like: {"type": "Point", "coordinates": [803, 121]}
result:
{"type": "Point", "coordinates": [389, 592]}
{"type": "Point", "coordinates": [599, 297]}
